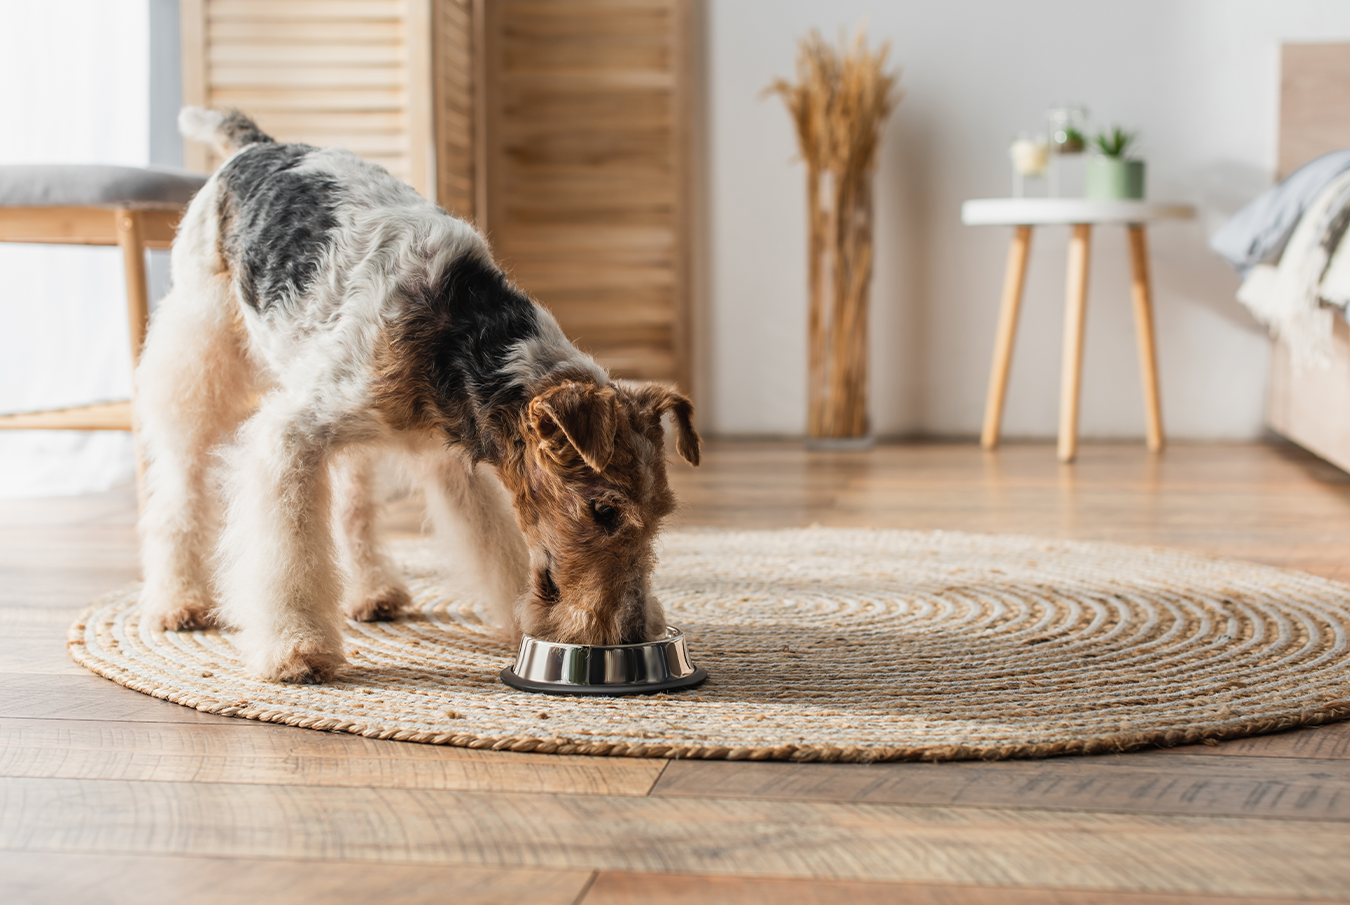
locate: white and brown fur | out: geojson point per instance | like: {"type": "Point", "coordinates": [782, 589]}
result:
{"type": "Point", "coordinates": [367, 321]}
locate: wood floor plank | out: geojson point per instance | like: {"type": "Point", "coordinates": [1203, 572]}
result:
{"type": "Point", "coordinates": [46, 878]}
{"type": "Point", "coordinates": [1119, 784]}
{"type": "Point", "coordinates": [618, 888]}
{"type": "Point", "coordinates": [88, 697]}
{"type": "Point", "coordinates": [794, 839]}
{"type": "Point", "coordinates": [33, 641]}
{"type": "Point", "coordinates": [1323, 742]}
{"type": "Point", "coordinates": [234, 752]}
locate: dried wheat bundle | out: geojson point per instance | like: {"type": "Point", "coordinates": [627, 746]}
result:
{"type": "Point", "coordinates": [839, 104]}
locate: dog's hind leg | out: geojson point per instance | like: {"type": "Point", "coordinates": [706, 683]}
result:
{"type": "Point", "coordinates": [374, 591]}
{"type": "Point", "coordinates": [473, 515]}
{"type": "Point", "coordinates": [279, 579]}
{"type": "Point", "coordinates": [193, 387]}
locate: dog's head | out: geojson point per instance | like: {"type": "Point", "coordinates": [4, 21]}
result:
{"type": "Point", "coordinates": [591, 494]}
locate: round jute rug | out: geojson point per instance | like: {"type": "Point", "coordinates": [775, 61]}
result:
{"type": "Point", "coordinates": [830, 645]}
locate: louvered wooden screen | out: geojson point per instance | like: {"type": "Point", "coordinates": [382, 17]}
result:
{"type": "Point", "coordinates": [456, 85]}
{"type": "Point", "coordinates": [559, 126]}
{"type": "Point", "coordinates": [352, 73]}
{"type": "Point", "coordinates": [587, 167]}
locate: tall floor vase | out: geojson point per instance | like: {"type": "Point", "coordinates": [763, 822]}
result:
{"type": "Point", "coordinates": [839, 103]}
{"type": "Point", "coordinates": [840, 274]}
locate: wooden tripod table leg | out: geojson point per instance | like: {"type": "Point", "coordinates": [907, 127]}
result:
{"type": "Point", "coordinates": [1013, 279]}
{"type": "Point", "coordinates": [1143, 325]}
{"type": "Point", "coordinates": [1075, 309]}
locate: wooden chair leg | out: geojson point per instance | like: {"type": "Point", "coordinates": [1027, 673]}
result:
{"type": "Point", "coordinates": [1075, 309]}
{"type": "Point", "coordinates": [1142, 291]}
{"type": "Point", "coordinates": [1014, 277]}
{"type": "Point", "coordinates": [131, 238]}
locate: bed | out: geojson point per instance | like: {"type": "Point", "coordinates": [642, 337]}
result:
{"type": "Point", "coordinates": [1310, 405]}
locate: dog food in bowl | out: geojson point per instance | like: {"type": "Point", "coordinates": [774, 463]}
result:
{"type": "Point", "coordinates": [551, 668]}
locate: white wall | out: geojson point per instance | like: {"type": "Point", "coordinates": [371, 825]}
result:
{"type": "Point", "coordinates": [1198, 77]}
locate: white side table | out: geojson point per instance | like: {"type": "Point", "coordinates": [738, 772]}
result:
{"type": "Point", "coordinates": [1024, 213]}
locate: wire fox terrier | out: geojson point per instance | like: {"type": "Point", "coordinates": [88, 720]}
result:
{"type": "Point", "coordinates": [324, 314]}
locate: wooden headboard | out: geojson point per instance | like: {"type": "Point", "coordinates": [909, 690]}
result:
{"type": "Point", "coordinates": [1314, 102]}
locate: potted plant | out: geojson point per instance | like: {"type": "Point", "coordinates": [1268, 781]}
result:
{"type": "Point", "coordinates": [1111, 174]}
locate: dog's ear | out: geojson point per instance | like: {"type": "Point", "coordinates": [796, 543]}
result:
{"type": "Point", "coordinates": [660, 400]}
{"type": "Point", "coordinates": [687, 440]}
{"type": "Point", "coordinates": [583, 416]}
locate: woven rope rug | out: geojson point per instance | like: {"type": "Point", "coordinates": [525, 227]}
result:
{"type": "Point", "coordinates": [830, 645]}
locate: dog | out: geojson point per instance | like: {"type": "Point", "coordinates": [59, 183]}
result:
{"type": "Point", "coordinates": [323, 315]}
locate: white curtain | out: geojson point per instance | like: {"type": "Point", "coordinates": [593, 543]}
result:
{"type": "Point", "coordinates": [74, 88]}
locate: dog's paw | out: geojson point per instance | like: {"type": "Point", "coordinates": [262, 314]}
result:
{"type": "Point", "coordinates": [186, 619]}
{"type": "Point", "coordinates": [381, 606]}
{"type": "Point", "coordinates": [176, 612]}
{"type": "Point", "coordinates": [300, 667]}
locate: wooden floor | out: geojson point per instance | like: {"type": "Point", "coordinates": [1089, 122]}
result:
{"type": "Point", "coordinates": [107, 795]}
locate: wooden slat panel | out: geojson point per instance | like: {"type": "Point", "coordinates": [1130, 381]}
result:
{"type": "Point", "coordinates": [587, 149]}
{"type": "Point", "coordinates": [341, 122]}
{"type": "Point", "coordinates": [341, 54]}
{"type": "Point", "coordinates": [455, 104]}
{"type": "Point", "coordinates": [303, 10]}
{"type": "Point", "coordinates": [343, 73]}
{"type": "Point", "coordinates": [311, 100]}
{"type": "Point", "coordinates": [325, 77]}
{"type": "Point", "coordinates": [307, 32]}
{"type": "Point", "coordinates": [51, 878]}
{"type": "Point", "coordinates": [192, 49]}
{"type": "Point", "coordinates": [421, 129]}
{"type": "Point", "coordinates": [791, 839]}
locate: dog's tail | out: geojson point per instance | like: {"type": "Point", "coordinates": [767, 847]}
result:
{"type": "Point", "coordinates": [227, 130]}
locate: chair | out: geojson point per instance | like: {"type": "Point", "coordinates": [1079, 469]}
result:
{"type": "Point", "coordinates": [133, 207]}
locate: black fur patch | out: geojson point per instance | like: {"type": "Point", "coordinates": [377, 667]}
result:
{"type": "Point", "coordinates": [275, 223]}
{"type": "Point", "coordinates": [447, 351]}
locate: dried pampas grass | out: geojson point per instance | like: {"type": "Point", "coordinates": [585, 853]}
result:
{"type": "Point", "coordinates": [839, 104]}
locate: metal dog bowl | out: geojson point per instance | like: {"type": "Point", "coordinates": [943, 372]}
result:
{"type": "Point", "coordinates": [647, 668]}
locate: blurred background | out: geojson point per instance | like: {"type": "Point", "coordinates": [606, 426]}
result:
{"type": "Point", "coordinates": [632, 176]}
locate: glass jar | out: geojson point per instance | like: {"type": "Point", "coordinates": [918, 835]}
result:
{"type": "Point", "coordinates": [1068, 125]}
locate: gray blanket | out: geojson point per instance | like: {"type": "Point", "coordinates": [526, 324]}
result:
{"type": "Point", "coordinates": [1258, 231]}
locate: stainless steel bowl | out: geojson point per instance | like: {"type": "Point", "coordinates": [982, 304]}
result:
{"type": "Point", "coordinates": [551, 668]}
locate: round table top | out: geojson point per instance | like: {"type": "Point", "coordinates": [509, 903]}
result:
{"type": "Point", "coordinates": [1047, 211]}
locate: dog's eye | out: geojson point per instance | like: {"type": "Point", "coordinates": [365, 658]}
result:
{"type": "Point", "coordinates": [604, 514]}
{"type": "Point", "coordinates": [545, 588]}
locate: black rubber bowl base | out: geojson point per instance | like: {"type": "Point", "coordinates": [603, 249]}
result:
{"type": "Point", "coordinates": [694, 678]}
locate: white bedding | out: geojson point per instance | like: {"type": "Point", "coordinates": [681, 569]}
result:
{"type": "Point", "coordinates": [1300, 297]}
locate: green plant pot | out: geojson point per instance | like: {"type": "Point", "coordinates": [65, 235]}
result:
{"type": "Point", "coordinates": [1114, 179]}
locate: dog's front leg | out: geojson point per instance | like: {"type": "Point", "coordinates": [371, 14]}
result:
{"type": "Point", "coordinates": [279, 580]}
{"type": "Point", "coordinates": [474, 518]}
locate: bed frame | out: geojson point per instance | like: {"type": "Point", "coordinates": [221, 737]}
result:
{"type": "Point", "coordinates": [1312, 407]}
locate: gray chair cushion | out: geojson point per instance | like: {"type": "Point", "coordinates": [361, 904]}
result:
{"type": "Point", "coordinates": [95, 185]}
